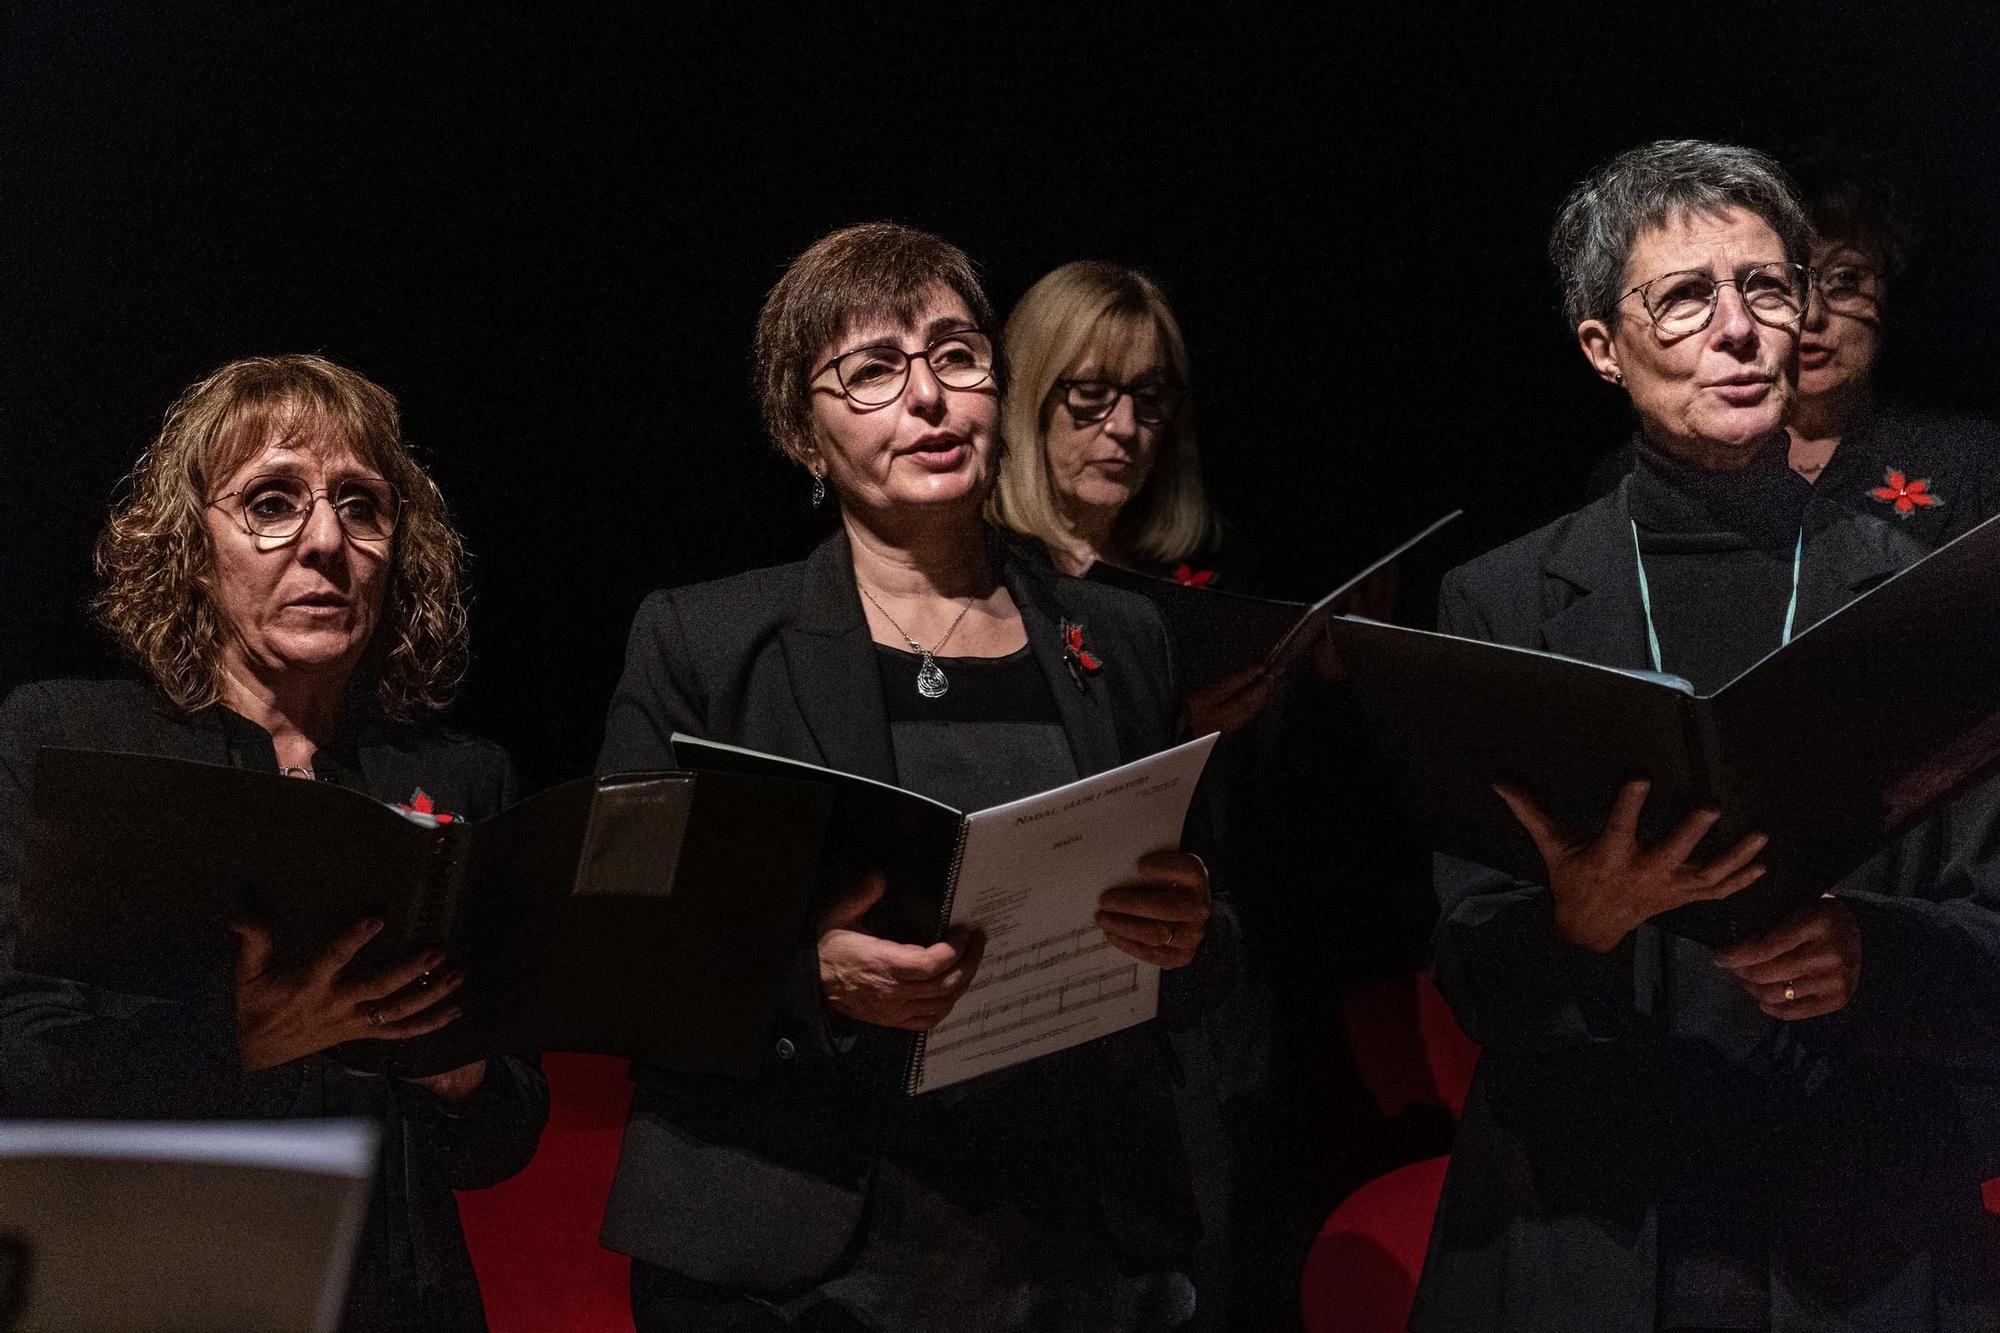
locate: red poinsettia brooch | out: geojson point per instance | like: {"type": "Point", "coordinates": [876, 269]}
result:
{"type": "Point", "coordinates": [1904, 496]}
{"type": "Point", "coordinates": [1081, 660]}
{"type": "Point", "coordinates": [420, 809]}
{"type": "Point", "coordinates": [1189, 576]}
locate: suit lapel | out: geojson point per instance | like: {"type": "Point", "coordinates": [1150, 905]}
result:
{"type": "Point", "coordinates": [1086, 710]}
{"type": "Point", "coordinates": [1849, 555]}
{"type": "Point", "coordinates": [1604, 621]}
{"type": "Point", "coordinates": [831, 660]}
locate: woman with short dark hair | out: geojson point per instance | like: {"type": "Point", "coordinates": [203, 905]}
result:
{"type": "Point", "coordinates": [914, 647]}
{"type": "Point", "coordinates": [1661, 1136]}
{"type": "Point", "coordinates": [1844, 436]}
{"type": "Point", "coordinates": [286, 578]}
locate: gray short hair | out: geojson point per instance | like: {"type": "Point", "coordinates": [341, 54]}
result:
{"type": "Point", "coordinates": [1644, 188]}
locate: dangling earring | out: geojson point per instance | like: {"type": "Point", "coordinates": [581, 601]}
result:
{"type": "Point", "coordinates": [819, 490]}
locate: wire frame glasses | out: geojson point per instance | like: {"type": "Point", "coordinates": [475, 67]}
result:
{"type": "Point", "coordinates": [875, 376]}
{"type": "Point", "coordinates": [1684, 302]}
{"type": "Point", "coordinates": [278, 506]}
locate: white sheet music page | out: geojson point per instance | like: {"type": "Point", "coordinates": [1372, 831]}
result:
{"type": "Point", "coordinates": [1030, 879]}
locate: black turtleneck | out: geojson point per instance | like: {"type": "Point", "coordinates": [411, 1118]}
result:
{"type": "Point", "coordinates": [1718, 550]}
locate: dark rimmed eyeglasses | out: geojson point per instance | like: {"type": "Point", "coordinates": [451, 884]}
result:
{"type": "Point", "coordinates": [278, 506]}
{"type": "Point", "coordinates": [1851, 289]}
{"type": "Point", "coordinates": [1089, 401]}
{"type": "Point", "coordinates": [875, 376]}
{"type": "Point", "coordinates": [1684, 301]}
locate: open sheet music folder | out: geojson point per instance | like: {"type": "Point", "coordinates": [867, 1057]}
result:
{"type": "Point", "coordinates": [1831, 745]}
{"type": "Point", "coordinates": [1219, 635]}
{"type": "Point", "coordinates": [1027, 874]}
{"type": "Point", "coordinates": [651, 916]}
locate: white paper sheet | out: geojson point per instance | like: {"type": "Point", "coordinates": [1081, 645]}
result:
{"type": "Point", "coordinates": [1030, 879]}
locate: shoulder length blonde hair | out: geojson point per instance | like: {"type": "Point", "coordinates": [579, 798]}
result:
{"type": "Point", "coordinates": [1083, 311]}
{"type": "Point", "coordinates": [156, 563]}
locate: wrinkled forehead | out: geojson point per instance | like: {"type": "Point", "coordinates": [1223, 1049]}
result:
{"type": "Point", "coordinates": [1719, 240]}
{"type": "Point", "coordinates": [282, 434]}
{"type": "Point", "coordinates": [1121, 345]}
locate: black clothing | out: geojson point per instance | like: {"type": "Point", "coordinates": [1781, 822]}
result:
{"type": "Point", "coordinates": [68, 1050]}
{"type": "Point", "coordinates": [1230, 561]}
{"type": "Point", "coordinates": [1719, 554]}
{"type": "Point", "coordinates": [763, 1187]}
{"type": "Point", "coordinates": [1641, 1146]}
{"type": "Point", "coordinates": [1960, 456]}
{"type": "Point", "coordinates": [993, 736]}
{"type": "Point", "coordinates": [1026, 1250]}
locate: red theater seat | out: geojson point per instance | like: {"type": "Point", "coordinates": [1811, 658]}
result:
{"type": "Point", "coordinates": [1361, 1275]}
{"type": "Point", "coordinates": [1407, 1045]}
{"type": "Point", "coordinates": [534, 1238]}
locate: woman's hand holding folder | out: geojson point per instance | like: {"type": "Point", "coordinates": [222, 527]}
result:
{"type": "Point", "coordinates": [1606, 887]}
{"type": "Point", "coordinates": [880, 981]}
{"type": "Point", "coordinates": [1161, 919]}
{"type": "Point", "coordinates": [284, 1015]}
{"type": "Point", "coordinates": [1806, 966]}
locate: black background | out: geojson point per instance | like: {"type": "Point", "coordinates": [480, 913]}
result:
{"type": "Point", "coordinates": [547, 229]}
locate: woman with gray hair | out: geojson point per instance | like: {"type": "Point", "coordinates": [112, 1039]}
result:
{"type": "Point", "coordinates": [1661, 1136]}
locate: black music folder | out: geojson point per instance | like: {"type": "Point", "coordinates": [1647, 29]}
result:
{"type": "Point", "coordinates": [1831, 745]}
{"type": "Point", "coordinates": [1219, 636]}
{"type": "Point", "coordinates": [651, 916]}
{"type": "Point", "coordinates": [1026, 873]}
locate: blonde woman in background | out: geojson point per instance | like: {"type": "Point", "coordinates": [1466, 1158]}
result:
{"type": "Point", "coordinates": [1102, 462]}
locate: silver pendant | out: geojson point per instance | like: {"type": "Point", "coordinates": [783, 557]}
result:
{"type": "Point", "coordinates": [930, 680]}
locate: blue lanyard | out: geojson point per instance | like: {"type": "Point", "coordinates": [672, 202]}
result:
{"type": "Point", "coordinates": [1646, 595]}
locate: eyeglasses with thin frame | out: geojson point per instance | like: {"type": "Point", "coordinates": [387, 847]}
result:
{"type": "Point", "coordinates": [1684, 301]}
{"type": "Point", "coordinates": [875, 375]}
{"type": "Point", "coordinates": [279, 505]}
{"type": "Point", "coordinates": [1090, 401]}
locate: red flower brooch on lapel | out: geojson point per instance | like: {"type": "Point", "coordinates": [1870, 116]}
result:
{"type": "Point", "coordinates": [1189, 576]}
{"type": "Point", "coordinates": [1081, 660]}
{"type": "Point", "coordinates": [1904, 496]}
{"type": "Point", "coordinates": [420, 809]}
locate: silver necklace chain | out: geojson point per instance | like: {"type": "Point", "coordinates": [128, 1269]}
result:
{"type": "Point", "coordinates": [931, 681]}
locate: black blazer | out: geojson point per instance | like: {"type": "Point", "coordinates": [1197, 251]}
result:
{"type": "Point", "coordinates": [1596, 1093]}
{"type": "Point", "coordinates": [68, 1050]}
{"type": "Point", "coordinates": [761, 1185]}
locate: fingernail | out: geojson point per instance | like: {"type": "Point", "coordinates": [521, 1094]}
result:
{"type": "Point", "coordinates": [431, 959]}
{"type": "Point", "coordinates": [375, 924]}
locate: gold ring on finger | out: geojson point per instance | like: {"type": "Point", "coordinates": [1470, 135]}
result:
{"type": "Point", "coordinates": [375, 1015]}
{"type": "Point", "coordinates": [1790, 993]}
{"type": "Point", "coordinates": [1172, 930]}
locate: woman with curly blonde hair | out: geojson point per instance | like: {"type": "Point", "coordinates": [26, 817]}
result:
{"type": "Point", "coordinates": [286, 578]}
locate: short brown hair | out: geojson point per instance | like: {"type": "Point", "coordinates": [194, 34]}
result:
{"type": "Point", "coordinates": [155, 559]}
{"type": "Point", "coordinates": [1078, 310]}
{"type": "Point", "coordinates": [878, 270]}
